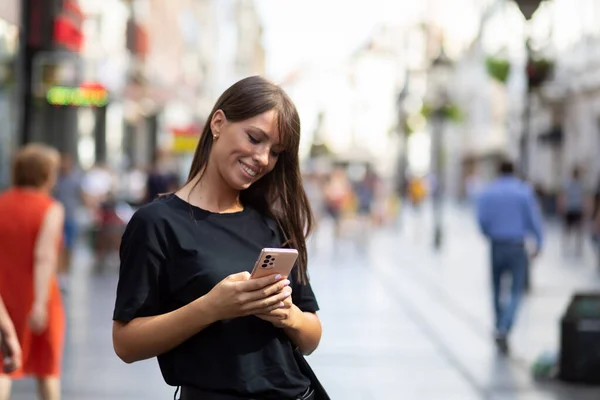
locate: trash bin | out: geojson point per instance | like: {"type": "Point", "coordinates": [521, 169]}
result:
{"type": "Point", "coordinates": [580, 340]}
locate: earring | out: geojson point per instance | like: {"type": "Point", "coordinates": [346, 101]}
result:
{"type": "Point", "coordinates": [215, 137]}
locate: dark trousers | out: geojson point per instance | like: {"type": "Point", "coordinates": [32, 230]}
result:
{"type": "Point", "coordinates": [508, 260]}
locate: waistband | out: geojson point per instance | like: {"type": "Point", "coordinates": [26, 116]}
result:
{"type": "Point", "coordinates": [192, 393]}
{"type": "Point", "coordinates": [508, 242]}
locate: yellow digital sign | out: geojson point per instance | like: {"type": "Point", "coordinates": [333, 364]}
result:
{"type": "Point", "coordinates": [185, 139]}
{"type": "Point", "coordinates": [77, 96]}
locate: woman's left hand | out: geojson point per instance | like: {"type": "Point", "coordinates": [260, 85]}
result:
{"type": "Point", "coordinates": [284, 317]}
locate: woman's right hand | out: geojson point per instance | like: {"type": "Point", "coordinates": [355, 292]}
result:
{"type": "Point", "coordinates": [38, 319]}
{"type": "Point", "coordinates": [238, 295]}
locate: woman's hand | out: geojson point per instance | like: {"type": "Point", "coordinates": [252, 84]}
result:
{"type": "Point", "coordinates": [38, 319]}
{"type": "Point", "coordinates": [11, 352]}
{"type": "Point", "coordinates": [284, 317]}
{"type": "Point", "coordinates": [238, 296]}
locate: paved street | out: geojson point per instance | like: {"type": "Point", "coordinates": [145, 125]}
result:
{"type": "Point", "coordinates": [400, 322]}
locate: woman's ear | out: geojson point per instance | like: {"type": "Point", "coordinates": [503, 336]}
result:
{"type": "Point", "coordinates": [217, 121]}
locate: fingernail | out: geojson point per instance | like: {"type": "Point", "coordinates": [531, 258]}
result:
{"type": "Point", "coordinates": [281, 305]}
{"type": "Point", "coordinates": [286, 282]}
{"type": "Point", "coordinates": [287, 294]}
{"type": "Point", "coordinates": [277, 277]}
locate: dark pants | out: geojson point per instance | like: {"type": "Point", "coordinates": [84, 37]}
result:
{"type": "Point", "coordinates": [508, 260]}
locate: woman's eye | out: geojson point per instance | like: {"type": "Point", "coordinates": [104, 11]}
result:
{"type": "Point", "coordinates": [275, 153]}
{"type": "Point", "coordinates": [252, 139]}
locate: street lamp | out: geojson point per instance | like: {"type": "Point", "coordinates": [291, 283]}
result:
{"type": "Point", "coordinates": [440, 75]}
{"type": "Point", "coordinates": [528, 7]}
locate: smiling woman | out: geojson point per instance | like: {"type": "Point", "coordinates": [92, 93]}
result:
{"type": "Point", "coordinates": [185, 293]}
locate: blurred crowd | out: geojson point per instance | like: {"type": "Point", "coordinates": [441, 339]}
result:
{"type": "Point", "coordinates": [100, 201]}
{"type": "Point", "coordinates": [352, 196]}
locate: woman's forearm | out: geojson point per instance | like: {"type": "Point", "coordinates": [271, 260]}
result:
{"type": "Point", "coordinates": [148, 337]}
{"type": "Point", "coordinates": [6, 325]}
{"type": "Point", "coordinates": [44, 269]}
{"type": "Point", "coordinates": [306, 332]}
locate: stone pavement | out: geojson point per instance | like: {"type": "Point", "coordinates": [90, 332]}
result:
{"type": "Point", "coordinates": [400, 322]}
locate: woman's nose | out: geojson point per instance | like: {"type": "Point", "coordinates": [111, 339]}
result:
{"type": "Point", "coordinates": [262, 157]}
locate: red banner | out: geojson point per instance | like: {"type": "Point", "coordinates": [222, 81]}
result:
{"type": "Point", "coordinates": [67, 26]}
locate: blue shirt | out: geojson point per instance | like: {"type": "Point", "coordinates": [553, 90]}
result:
{"type": "Point", "coordinates": [507, 210]}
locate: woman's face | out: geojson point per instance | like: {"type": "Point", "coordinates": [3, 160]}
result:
{"type": "Point", "coordinates": [245, 151]}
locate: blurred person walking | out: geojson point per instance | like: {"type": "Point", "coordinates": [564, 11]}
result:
{"type": "Point", "coordinates": [572, 206]}
{"type": "Point", "coordinates": [508, 214]}
{"type": "Point", "coordinates": [162, 177]}
{"type": "Point", "coordinates": [68, 192]}
{"type": "Point", "coordinates": [365, 191]}
{"type": "Point", "coordinates": [98, 183]}
{"type": "Point", "coordinates": [313, 186]}
{"type": "Point", "coordinates": [185, 295]}
{"type": "Point", "coordinates": [132, 186]}
{"type": "Point", "coordinates": [417, 192]}
{"type": "Point", "coordinates": [338, 192]}
{"type": "Point", "coordinates": [31, 230]}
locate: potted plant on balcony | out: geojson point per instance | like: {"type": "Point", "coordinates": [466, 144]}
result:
{"type": "Point", "coordinates": [498, 68]}
{"type": "Point", "coordinates": [449, 111]}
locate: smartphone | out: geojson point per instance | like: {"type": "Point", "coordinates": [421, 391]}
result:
{"type": "Point", "coordinates": [274, 261]}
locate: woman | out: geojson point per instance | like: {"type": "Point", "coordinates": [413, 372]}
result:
{"type": "Point", "coordinates": [185, 293]}
{"type": "Point", "coordinates": [30, 241]}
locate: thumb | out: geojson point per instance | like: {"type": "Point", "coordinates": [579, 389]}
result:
{"type": "Point", "coordinates": [240, 276]}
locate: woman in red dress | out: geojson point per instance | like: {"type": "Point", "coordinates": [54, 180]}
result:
{"type": "Point", "coordinates": [31, 226]}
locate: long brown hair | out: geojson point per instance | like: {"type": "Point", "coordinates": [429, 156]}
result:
{"type": "Point", "coordinates": [279, 194]}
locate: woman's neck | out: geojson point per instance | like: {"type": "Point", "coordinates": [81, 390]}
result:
{"type": "Point", "coordinates": [211, 194]}
{"type": "Point", "coordinates": [34, 189]}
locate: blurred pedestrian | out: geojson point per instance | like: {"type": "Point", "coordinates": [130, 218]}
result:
{"type": "Point", "coordinates": [162, 177]}
{"type": "Point", "coordinates": [68, 192]}
{"type": "Point", "coordinates": [338, 192]}
{"type": "Point", "coordinates": [313, 186]}
{"type": "Point", "coordinates": [417, 192]}
{"type": "Point", "coordinates": [572, 206]}
{"type": "Point", "coordinates": [98, 183]}
{"type": "Point", "coordinates": [132, 186]}
{"type": "Point", "coordinates": [366, 189]}
{"type": "Point", "coordinates": [10, 349]}
{"type": "Point", "coordinates": [185, 293]}
{"type": "Point", "coordinates": [508, 213]}
{"type": "Point", "coordinates": [31, 231]}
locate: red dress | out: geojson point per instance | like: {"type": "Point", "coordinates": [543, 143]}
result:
{"type": "Point", "coordinates": [22, 213]}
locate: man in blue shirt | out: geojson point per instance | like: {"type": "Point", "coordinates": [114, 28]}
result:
{"type": "Point", "coordinates": [508, 213]}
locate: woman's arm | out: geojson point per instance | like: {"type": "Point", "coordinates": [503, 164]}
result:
{"type": "Point", "coordinates": [147, 337]}
{"type": "Point", "coordinates": [302, 327]}
{"type": "Point", "coordinates": [235, 296]}
{"type": "Point", "coordinates": [45, 265]}
{"type": "Point", "coordinates": [5, 322]}
{"type": "Point", "coordinates": [305, 331]}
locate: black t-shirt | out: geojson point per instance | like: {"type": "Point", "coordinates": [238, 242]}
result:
{"type": "Point", "coordinates": [171, 254]}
